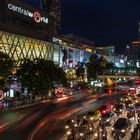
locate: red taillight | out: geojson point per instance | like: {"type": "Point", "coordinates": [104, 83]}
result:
{"type": "Point", "coordinates": [110, 91]}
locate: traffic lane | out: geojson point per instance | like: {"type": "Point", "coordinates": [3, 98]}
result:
{"type": "Point", "coordinates": [7, 118]}
{"type": "Point", "coordinates": [21, 128]}
{"type": "Point", "coordinates": [54, 129]}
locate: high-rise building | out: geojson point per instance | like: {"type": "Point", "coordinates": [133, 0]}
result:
{"type": "Point", "coordinates": [24, 31]}
{"type": "Point", "coordinates": [52, 8]}
{"type": "Point", "coordinates": [108, 52]}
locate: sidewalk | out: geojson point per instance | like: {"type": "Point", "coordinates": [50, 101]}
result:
{"type": "Point", "coordinates": [4, 109]}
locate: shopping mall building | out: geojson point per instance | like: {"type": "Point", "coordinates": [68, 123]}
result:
{"type": "Point", "coordinates": [26, 32]}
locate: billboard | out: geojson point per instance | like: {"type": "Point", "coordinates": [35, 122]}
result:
{"type": "Point", "coordinates": [26, 12]}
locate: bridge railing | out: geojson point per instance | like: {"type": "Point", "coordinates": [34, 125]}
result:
{"type": "Point", "coordinates": [118, 74]}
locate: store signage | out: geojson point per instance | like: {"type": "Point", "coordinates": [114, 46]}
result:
{"type": "Point", "coordinates": [36, 16]}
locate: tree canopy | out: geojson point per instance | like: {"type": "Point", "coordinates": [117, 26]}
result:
{"type": "Point", "coordinates": [40, 75]}
{"type": "Point", "coordinates": [95, 66]}
{"type": "Point", "coordinates": [6, 65]}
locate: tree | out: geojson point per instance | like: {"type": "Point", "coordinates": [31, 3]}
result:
{"type": "Point", "coordinates": [96, 66]}
{"type": "Point", "coordinates": [80, 70]}
{"type": "Point", "coordinates": [26, 74]}
{"type": "Point", "coordinates": [6, 65]}
{"type": "Point", "coordinates": [61, 76]}
{"type": "Point", "coordinates": [40, 75]}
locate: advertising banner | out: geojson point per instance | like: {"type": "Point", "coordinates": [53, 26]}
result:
{"type": "Point", "coordinates": [26, 12]}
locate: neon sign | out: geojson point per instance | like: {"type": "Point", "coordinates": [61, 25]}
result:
{"type": "Point", "coordinates": [35, 15]}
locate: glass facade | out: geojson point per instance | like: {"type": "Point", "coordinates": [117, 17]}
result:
{"type": "Point", "coordinates": [19, 47]}
{"type": "Point", "coordinates": [69, 57]}
{"type": "Point", "coordinates": [56, 55]}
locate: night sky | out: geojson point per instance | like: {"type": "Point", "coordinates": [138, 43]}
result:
{"type": "Point", "coordinates": [106, 22]}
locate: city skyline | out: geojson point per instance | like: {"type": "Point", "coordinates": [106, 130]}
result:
{"type": "Point", "coordinates": [104, 22]}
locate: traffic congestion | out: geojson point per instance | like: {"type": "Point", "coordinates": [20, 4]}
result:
{"type": "Point", "coordinates": [116, 120]}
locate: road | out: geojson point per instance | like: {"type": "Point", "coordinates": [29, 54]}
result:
{"type": "Point", "coordinates": [46, 120]}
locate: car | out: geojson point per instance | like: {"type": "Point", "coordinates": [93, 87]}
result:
{"type": "Point", "coordinates": [131, 108]}
{"type": "Point", "coordinates": [128, 103]}
{"type": "Point", "coordinates": [138, 97]}
{"type": "Point", "coordinates": [105, 109]}
{"type": "Point", "coordinates": [137, 107]}
{"type": "Point", "coordinates": [115, 102]}
{"type": "Point", "coordinates": [135, 100]}
{"type": "Point", "coordinates": [137, 81]}
{"type": "Point", "coordinates": [93, 115]}
{"type": "Point", "coordinates": [121, 127]}
{"type": "Point", "coordinates": [119, 108]}
{"type": "Point", "coordinates": [83, 133]}
{"type": "Point", "coordinates": [108, 118]}
{"type": "Point", "coordinates": [131, 94]}
{"type": "Point", "coordinates": [125, 98]}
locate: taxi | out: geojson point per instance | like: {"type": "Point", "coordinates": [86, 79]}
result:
{"type": "Point", "coordinates": [93, 115]}
{"type": "Point", "coordinates": [125, 98]}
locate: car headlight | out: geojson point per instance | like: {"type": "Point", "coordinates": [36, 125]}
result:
{"type": "Point", "coordinates": [81, 134]}
{"type": "Point", "coordinates": [75, 125]}
{"type": "Point", "coordinates": [67, 127]}
{"type": "Point", "coordinates": [103, 135]}
{"type": "Point", "coordinates": [68, 132]}
{"type": "Point", "coordinates": [72, 121]}
{"type": "Point", "coordinates": [84, 117]}
{"type": "Point", "coordinates": [122, 130]}
{"type": "Point", "coordinates": [96, 134]}
{"type": "Point", "coordinates": [120, 110]}
{"type": "Point", "coordinates": [90, 128]}
{"type": "Point", "coordinates": [112, 128]}
{"type": "Point", "coordinates": [107, 120]}
{"type": "Point", "coordinates": [91, 118]}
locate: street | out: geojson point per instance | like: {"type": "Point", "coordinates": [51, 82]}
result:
{"type": "Point", "coordinates": [47, 120]}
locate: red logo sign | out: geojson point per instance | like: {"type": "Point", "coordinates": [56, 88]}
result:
{"type": "Point", "coordinates": [37, 17]}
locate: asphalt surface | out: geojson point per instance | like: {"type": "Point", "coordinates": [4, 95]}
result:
{"type": "Point", "coordinates": [46, 120]}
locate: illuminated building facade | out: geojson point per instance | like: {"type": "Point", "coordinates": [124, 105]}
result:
{"type": "Point", "coordinates": [107, 52]}
{"type": "Point", "coordinates": [24, 31]}
{"type": "Point", "coordinates": [20, 47]}
{"type": "Point", "coordinates": [69, 54]}
{"type": "Point", "coordinates": [132, 52]}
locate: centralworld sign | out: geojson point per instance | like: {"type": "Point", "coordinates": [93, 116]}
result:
{"type": "Point", "coordinates": [36, 16]}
